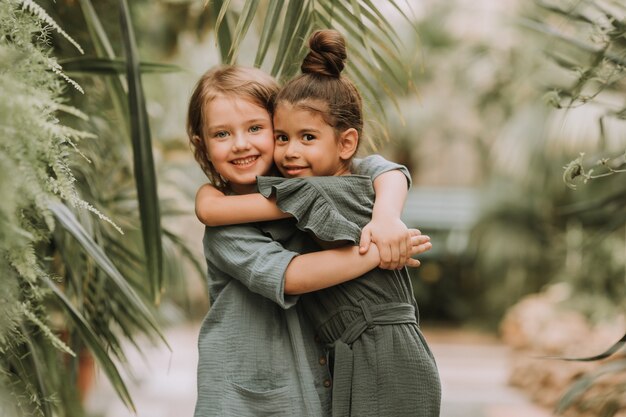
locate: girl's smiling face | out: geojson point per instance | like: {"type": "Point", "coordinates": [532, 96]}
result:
{"type": "Point", "coordinates": [239, 141]}
{"type": "Point", "coordinates": [308, 146]}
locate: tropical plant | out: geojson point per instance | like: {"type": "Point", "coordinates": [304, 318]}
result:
{"type": "Point", "coordinates": [377, 61]}
{"type": "Point", "coordinates": [59, 281]}
{"type": "Point", "coordinates": [74, 284]}
{"type": "Point", "coordinates": [586, 41]}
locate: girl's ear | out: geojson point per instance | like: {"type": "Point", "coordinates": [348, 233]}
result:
{"type": "Point", "coordinates": [348, 142]}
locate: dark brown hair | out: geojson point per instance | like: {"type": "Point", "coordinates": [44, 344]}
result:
{"type": "Point", "coordinates": [234, 81]}
{"type": "Point", "coordinates": [322, 88]}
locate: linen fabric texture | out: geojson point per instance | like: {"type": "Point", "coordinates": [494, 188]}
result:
{"type": "Point", "coordinates": [382, 363]}
{"type": "Point", "coordinates": [258, 354]}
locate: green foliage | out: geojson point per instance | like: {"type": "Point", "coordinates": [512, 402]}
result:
{"type": "Point", "coordinates": [377, 62]}
{"type": "Point", "coordinates": [587, 247]}
{"type": "Point", "coordinates": [35, 171]}
{"type": "Point", "coordinates": [588, 44]}
{"type": "Point", "coordinates": [61, 293]}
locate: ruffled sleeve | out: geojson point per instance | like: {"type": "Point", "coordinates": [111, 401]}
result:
{"type": "Point", "coordinates": [331, 208]}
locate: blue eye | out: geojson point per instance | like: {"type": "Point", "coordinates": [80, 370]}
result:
{"type": "Point", "coordinates": [221, 134]}
{"type": "Point", "coordinates": [255, 128]}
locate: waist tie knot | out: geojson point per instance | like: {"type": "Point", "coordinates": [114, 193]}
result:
{"type": "Point", "coordinates": [372, 315]}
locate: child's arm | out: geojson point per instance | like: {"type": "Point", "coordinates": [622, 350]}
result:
{"type": "Point", "coordinates": [386, 229]}
{"type": "Point", "coordinates": [213, 208]}
{"type": "Point", "coordinates": [266, 268]}
{"type": "Point", "coordinates": [327, 268]}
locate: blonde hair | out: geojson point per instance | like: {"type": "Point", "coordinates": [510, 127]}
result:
{"type": "Point", "coordinates": [229, 80]}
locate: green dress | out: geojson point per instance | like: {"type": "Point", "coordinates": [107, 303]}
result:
{"type": "Point", "coordinates": [257, 351]}
{"type": "Point", "coordinates": [382, 364]}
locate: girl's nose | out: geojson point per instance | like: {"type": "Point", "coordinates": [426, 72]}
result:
{"type": "Point", "coordinates": [292, 150]}
{"type": "Point", "coordinates": [240, 143]}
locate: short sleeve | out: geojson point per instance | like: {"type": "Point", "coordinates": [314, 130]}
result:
{"type": "Point", "coordinates": [244, 253]}
{"type": "Point", "coordinates": [331, 208]}
{"type": "Point", "coordinates": [374, 165]}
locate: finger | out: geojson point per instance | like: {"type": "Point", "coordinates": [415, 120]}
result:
{"type": "Point", "coordinates": [407, 246]}
{"type": "Point", "coordinates": [413, 263]}
{"type": "Point", "coordinates": [366, 239]}
{"type": "Point", "coordinates": [385, 256]}
{"type": "Point", "coordinates": [414, 232]}
{"type": "Point", "coordinates": [418, 240]}
{"type": "Point", "coordinates": [395, 256]}
{"type": "Point", "coordinates": [416, 250]}
{"type": "Point", "coordinates": [403, 252]}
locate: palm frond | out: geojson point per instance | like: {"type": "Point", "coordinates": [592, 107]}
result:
{"type": "Point", "coordinates": [90, 66]}
{"type": "Point", "coordinates": [373, 42]}
{"type": "Point", "coordinates": [69, 222]}
{"type": "Point", "coordinates": [145, 175]}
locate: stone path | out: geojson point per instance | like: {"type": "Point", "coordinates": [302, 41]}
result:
{"type": "Point", "coordinates": [473, 372]}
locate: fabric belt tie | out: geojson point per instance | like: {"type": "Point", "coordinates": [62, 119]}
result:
{"type": "Point", "coordinates": [373, 315]}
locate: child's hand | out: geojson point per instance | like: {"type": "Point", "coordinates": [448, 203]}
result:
{"type": "Point", "coordinates": [392, 239]}
{"type": "Point", "coordinates": [419, 244]}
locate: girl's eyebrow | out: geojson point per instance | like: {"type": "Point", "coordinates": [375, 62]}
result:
{"type": "Point", "coordinates": [259, 120]}
{"type": "Point", "coordinates": [308, 130]}
{"type": "Point", "coordinates": [216, 127]}
{"type": "Point", "coordinates": [300, 132]}
{"type": "Point", "coordinates": [227, 126]}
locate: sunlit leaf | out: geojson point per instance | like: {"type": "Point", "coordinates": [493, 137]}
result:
{"type": "Point", "coordinates": [222, 28]}
{"type": "Point", "coordinates": [269, 27]}
{"type": "Point", "coordinates": [293, 18]}
{"type": "Point", "coordinates": [245, 19]}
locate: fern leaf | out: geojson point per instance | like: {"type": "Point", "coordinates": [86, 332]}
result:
{"type": "Point", "coordinates": [41, 14]}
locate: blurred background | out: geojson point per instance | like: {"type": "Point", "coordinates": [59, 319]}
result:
{"type": "Point", "coordinates": [509, 115]}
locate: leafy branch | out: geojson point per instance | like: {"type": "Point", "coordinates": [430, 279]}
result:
{"type": "Point", "coordinates": [576, 169]}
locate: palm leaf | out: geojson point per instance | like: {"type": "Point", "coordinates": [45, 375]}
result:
{"type": "Point", "coordinates": [269, 27]}
{"type": "Point", "coordinates": [69, 222]}
{"type": "Point", "coordinates": [145, 176]}
{"type": "Point", "coordinates": [362, 36]}
{"type": "Point", "coordinates": [293, 16]}
{"type": "Point", "coordinates": [363, 24]}
{"type": "Point", "coordinates": [245, 19]}
{"type": "Point", "coordinates": [297, 47]}
{"type": "Point", "coordinates": [91, 340]}
{"type": "Point", "coordinates": [110, 66]}
{"type": "Point", "coordinates": [579, 387]}
{"type": "Point", "coordinates": [376, 17]}
{"type": "Point", "coordinates": [102, 45]}
{"type": "Point", "coordinates": [222, 28]}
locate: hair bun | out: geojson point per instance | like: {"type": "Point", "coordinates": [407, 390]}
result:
{"type": "Point", "coordinates": [327, 55]}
